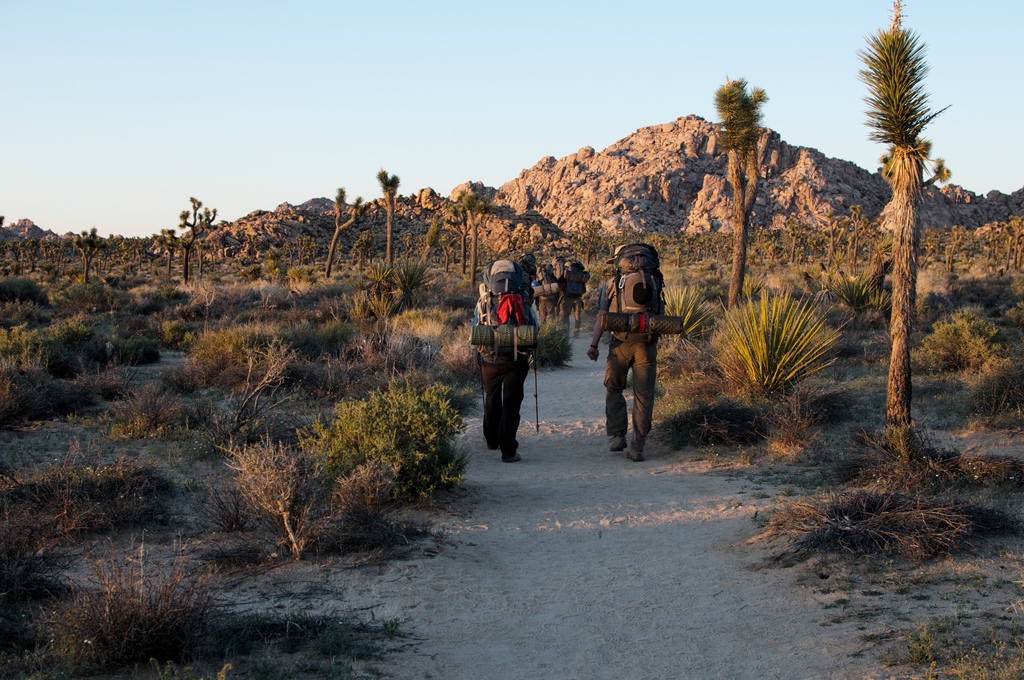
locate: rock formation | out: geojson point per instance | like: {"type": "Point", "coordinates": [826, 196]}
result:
{"type": "Point", "coordinates": [671, 178]}
{"type": "Point", "coordinates": [25, 229]}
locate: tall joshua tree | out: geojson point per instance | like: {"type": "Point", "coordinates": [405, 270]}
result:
{"type": "Point", "coordinates": [475, 207]}
{"type": "Point", "coordinates": [358, 208]}
{"type": "Point", "coordinates": [89, 244]}
{"type": "Point", "coordinates": [894, 72]}
{"type": "Point", "coordinates": [193, 227]}
{"type": "Point", "coordinates": [389, 185]}
{"type": "Point", "coordinates": [740, 114]}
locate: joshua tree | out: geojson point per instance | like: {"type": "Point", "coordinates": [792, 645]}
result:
{"type": "Point", "coordinates": [476, 208]}
{"type": "Point", "coordinates": [363, 247]}
{"type": "Point", "coordinates": [457, 220]}
{"type": "Point", "coordinates": [589, 232]}
{"type": "Point", "coordinates": [740, 114]}
{"type": "Point", "coordinates": [894, 71]}
{"type": "Point", "coordinates": [389, 185]}
{"type": "Point", "coordinates": [170, 242]}
{"type": "Point", "coordinates": [433, 237]}
{"type": "Point", "coordinates": [358, 208]}
{"type": "Point", "coordinates": [88, 245]}
{"type": "Point", "coordinates": [195, 226]}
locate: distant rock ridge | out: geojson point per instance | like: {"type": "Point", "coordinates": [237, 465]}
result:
{"type": "Point", "coordinates": [663, 179]}
{"type": "Point", "coordinates": [25, 229]}
{"type": "Point", "coordinates": [673, 177]}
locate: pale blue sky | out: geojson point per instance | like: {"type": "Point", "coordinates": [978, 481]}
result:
{"type": "Point", "coordinates": [115, 113]}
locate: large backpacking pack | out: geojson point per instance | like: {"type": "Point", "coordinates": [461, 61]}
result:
{"type": "Point", "coordinates": [639, 285]}
{"type": "Point", "coordinates": [505, 327]}
{"type": "Point", "coordinates": [576, 277]}
{"type": "Point", "coordinates": [545, 287]}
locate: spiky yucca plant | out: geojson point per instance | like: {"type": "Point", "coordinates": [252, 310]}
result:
{"type": "Point", "coordinates": [854, 292]}
{"type": "Point", "coordinates": [409, 276]}
{"type": "Point", "coordinates": [894, 72]}
{"type": "Point", "coordinates": [776, 342]}
{"type": "Point", "coordinates": [690, 304]}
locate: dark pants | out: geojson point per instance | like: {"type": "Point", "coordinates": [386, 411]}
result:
{"type": "Point", "coordinates": [503, 390]}
{"type": "Point", "coordinates": [642, 358]}
{"type": "Point", "coordinates": [548, 309]}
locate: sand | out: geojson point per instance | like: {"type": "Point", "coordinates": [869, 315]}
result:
{"type": "Point", "coordinates": [578, 563]}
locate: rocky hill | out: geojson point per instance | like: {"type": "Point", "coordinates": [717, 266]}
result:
{"type": "Point", "coordinates": [26, 229]}
{"type": "Point", "coordinates": [670, 178]}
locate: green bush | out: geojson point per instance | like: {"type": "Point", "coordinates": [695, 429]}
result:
{"type": "Point", "coordinates": [25, 348]}
{"type": "Point", "coordinates": [775, 343]}
{"type": "Point", "coordinates": [410, 428]}
{"type": "Point", "coordinates": [1001, 387]}
{"type": "Point", "coordinates": [554, 348]}
{"type": "Point", "coordinates": [964, 342]}
{"type": "Point", "coordinates": [87, 298]}
{"type": "Point", "coordinates": [178, 334]}
{"type": "Point", "coordinates": [20, 289]}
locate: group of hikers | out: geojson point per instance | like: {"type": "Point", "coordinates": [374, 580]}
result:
{"type": "Point", "coordinates": [505, 331]}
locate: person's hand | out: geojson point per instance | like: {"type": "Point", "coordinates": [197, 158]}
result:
{"type": "Point", "coordinates": [593, 353]}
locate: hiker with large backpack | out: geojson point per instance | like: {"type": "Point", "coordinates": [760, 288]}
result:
{"type": "Point", "coordinates": [574, 286]}
{"type": "Point", "coordinates": [505, 334]}
{"type": "Point", "coordinates": [547, 293]}
{"type": "Point", "coordinates": [634, 293]}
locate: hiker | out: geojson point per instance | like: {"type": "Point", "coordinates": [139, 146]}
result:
{"type": "Point", "coordinates": [547, 293]}
{"type": "Point", "coordinates": [505, 343]}
{"type": "Point", "coordinates": [575, 277]}
{"type": "Point", "coordinates": [529, 265]}
{"type": "Point", "coordinates": [636, 287]}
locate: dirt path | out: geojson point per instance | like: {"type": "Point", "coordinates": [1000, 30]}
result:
{"type": "Point", "coordinates": [577, 563]}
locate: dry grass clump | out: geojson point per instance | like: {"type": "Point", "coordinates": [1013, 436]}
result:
{"type": "Point", "coordinates": [908, 461]}
{"type": "Point", "coordinates": [150, 411]}
{"type": "Point", "coordinates": [794, 419]}
{"type": "Point", "coordinates": [889, 524]}
{"type": "Point", "coordinates": [132, 612]}
{"type": "Point", "coordinates": [74, 496]}
{"type": "Point", "coordinates": [722, 422]}
{"type": "Point", "coordinates": [110, 382]}
{"type": "Point", "coordinates": [1000, 389]}
{"type": "Point", "coordinates": [226, 508]}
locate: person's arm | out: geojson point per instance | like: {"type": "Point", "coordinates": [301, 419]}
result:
{"type": "Point", "coordinates": [594, 352]}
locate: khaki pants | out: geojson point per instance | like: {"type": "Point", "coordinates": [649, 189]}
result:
{"type": "Point", "coordinates": [642, 357]}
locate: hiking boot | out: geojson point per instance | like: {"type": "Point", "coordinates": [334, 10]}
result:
{"type": "Point", "coordinates": [618, 442]}
{"type": "Point", "coordinates": [514, 459]}
{"type": "Point", "coordinates": [635, 456]}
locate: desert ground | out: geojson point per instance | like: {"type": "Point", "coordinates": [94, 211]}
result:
{"type": "Point", "coordinates": [578, 563]}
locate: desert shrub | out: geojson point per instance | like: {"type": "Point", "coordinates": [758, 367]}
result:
{"type": "Point", "coordinates": [75, 495]}
{"type": "Point", "coordinates": [775, 343]}
{"type": "Point", "coordinates": [289, 490]}
{"type": "Point", "coordinates": [21, 289]}
{"type": "Point", "coordinates": [135, 351]}
{"type": "Point", "coordinates": [1015, 315]}
{"type": "Point", "coordinates": [176, 334]}
{"type": "Point", "coordinates": [888, 524]}
{"type": "Point", "coordinates": [458, 358]}
{"type": "Point", "coordinates": [171, 293]}
{"type": "Point", "coordinates": [327, 635]}
{"type": "Point", "coordinates": [130, 613]}
{"type": "Point", "coordinates": [904, 459]}
{"type": "Point", "coordinates": [792, 423]}
{"type": "Point", "coordinates": [86, 298]}
{"type": "Point", "coordinates": [220, 357]}
{"type": "Point", "coordinates": [328, 338]}
{"type": "Point", "coordinates": [150, 411]}
{"type": "Point", "coordinates": [226, 508]}
{"type": "Point", "coordinates": [110, 383]}
{"type": "Point", "coordinates": [554, 347]}
{"type": "Point", "coordinates": [406, 427]}
{"type": "Point", "coordinates": [964, 342]}
{"type": "Point", "coordinates": [1001, 387]}
{"type": "Point", "coordinates": [25, 348]}
{"type": "Point", "coordinates": [722, 422]}
{"type": "Point", "coordinates": [19, 313]}
{"type": "Point", "coordinates": [247, 416]}
{"type": "Point", "coordinates": [31, 394]}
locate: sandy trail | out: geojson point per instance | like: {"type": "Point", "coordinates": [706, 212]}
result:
{"type": "Point", "coordinates": [577, 563]}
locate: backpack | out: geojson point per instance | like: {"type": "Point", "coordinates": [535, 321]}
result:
{"type": "Point", "coordinates": [546, 286]}
{"type": "Point", "coordinates": [576, 278]}
{"type": "Point", "coordinates": [639, 284]}
{"type": "Point", "coordinates": [505, 324]}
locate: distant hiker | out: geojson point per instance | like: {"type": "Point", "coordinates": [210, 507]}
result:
{"type": "Point", "coordinates": [558, 268]}
{"type": "Point", "coordinates": [636, 287]}
{"type": "Point", "coordinates": [547, 293]}
{"type": "Point", "coordinates": [505, 333]}
{"type": "Point", "coordinates": [575, 286]}
{"type": "Point", "coordinates": [529, 265]}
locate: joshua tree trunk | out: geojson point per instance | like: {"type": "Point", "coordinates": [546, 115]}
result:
{"type": "Point", "coordinates": [905, 196]}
